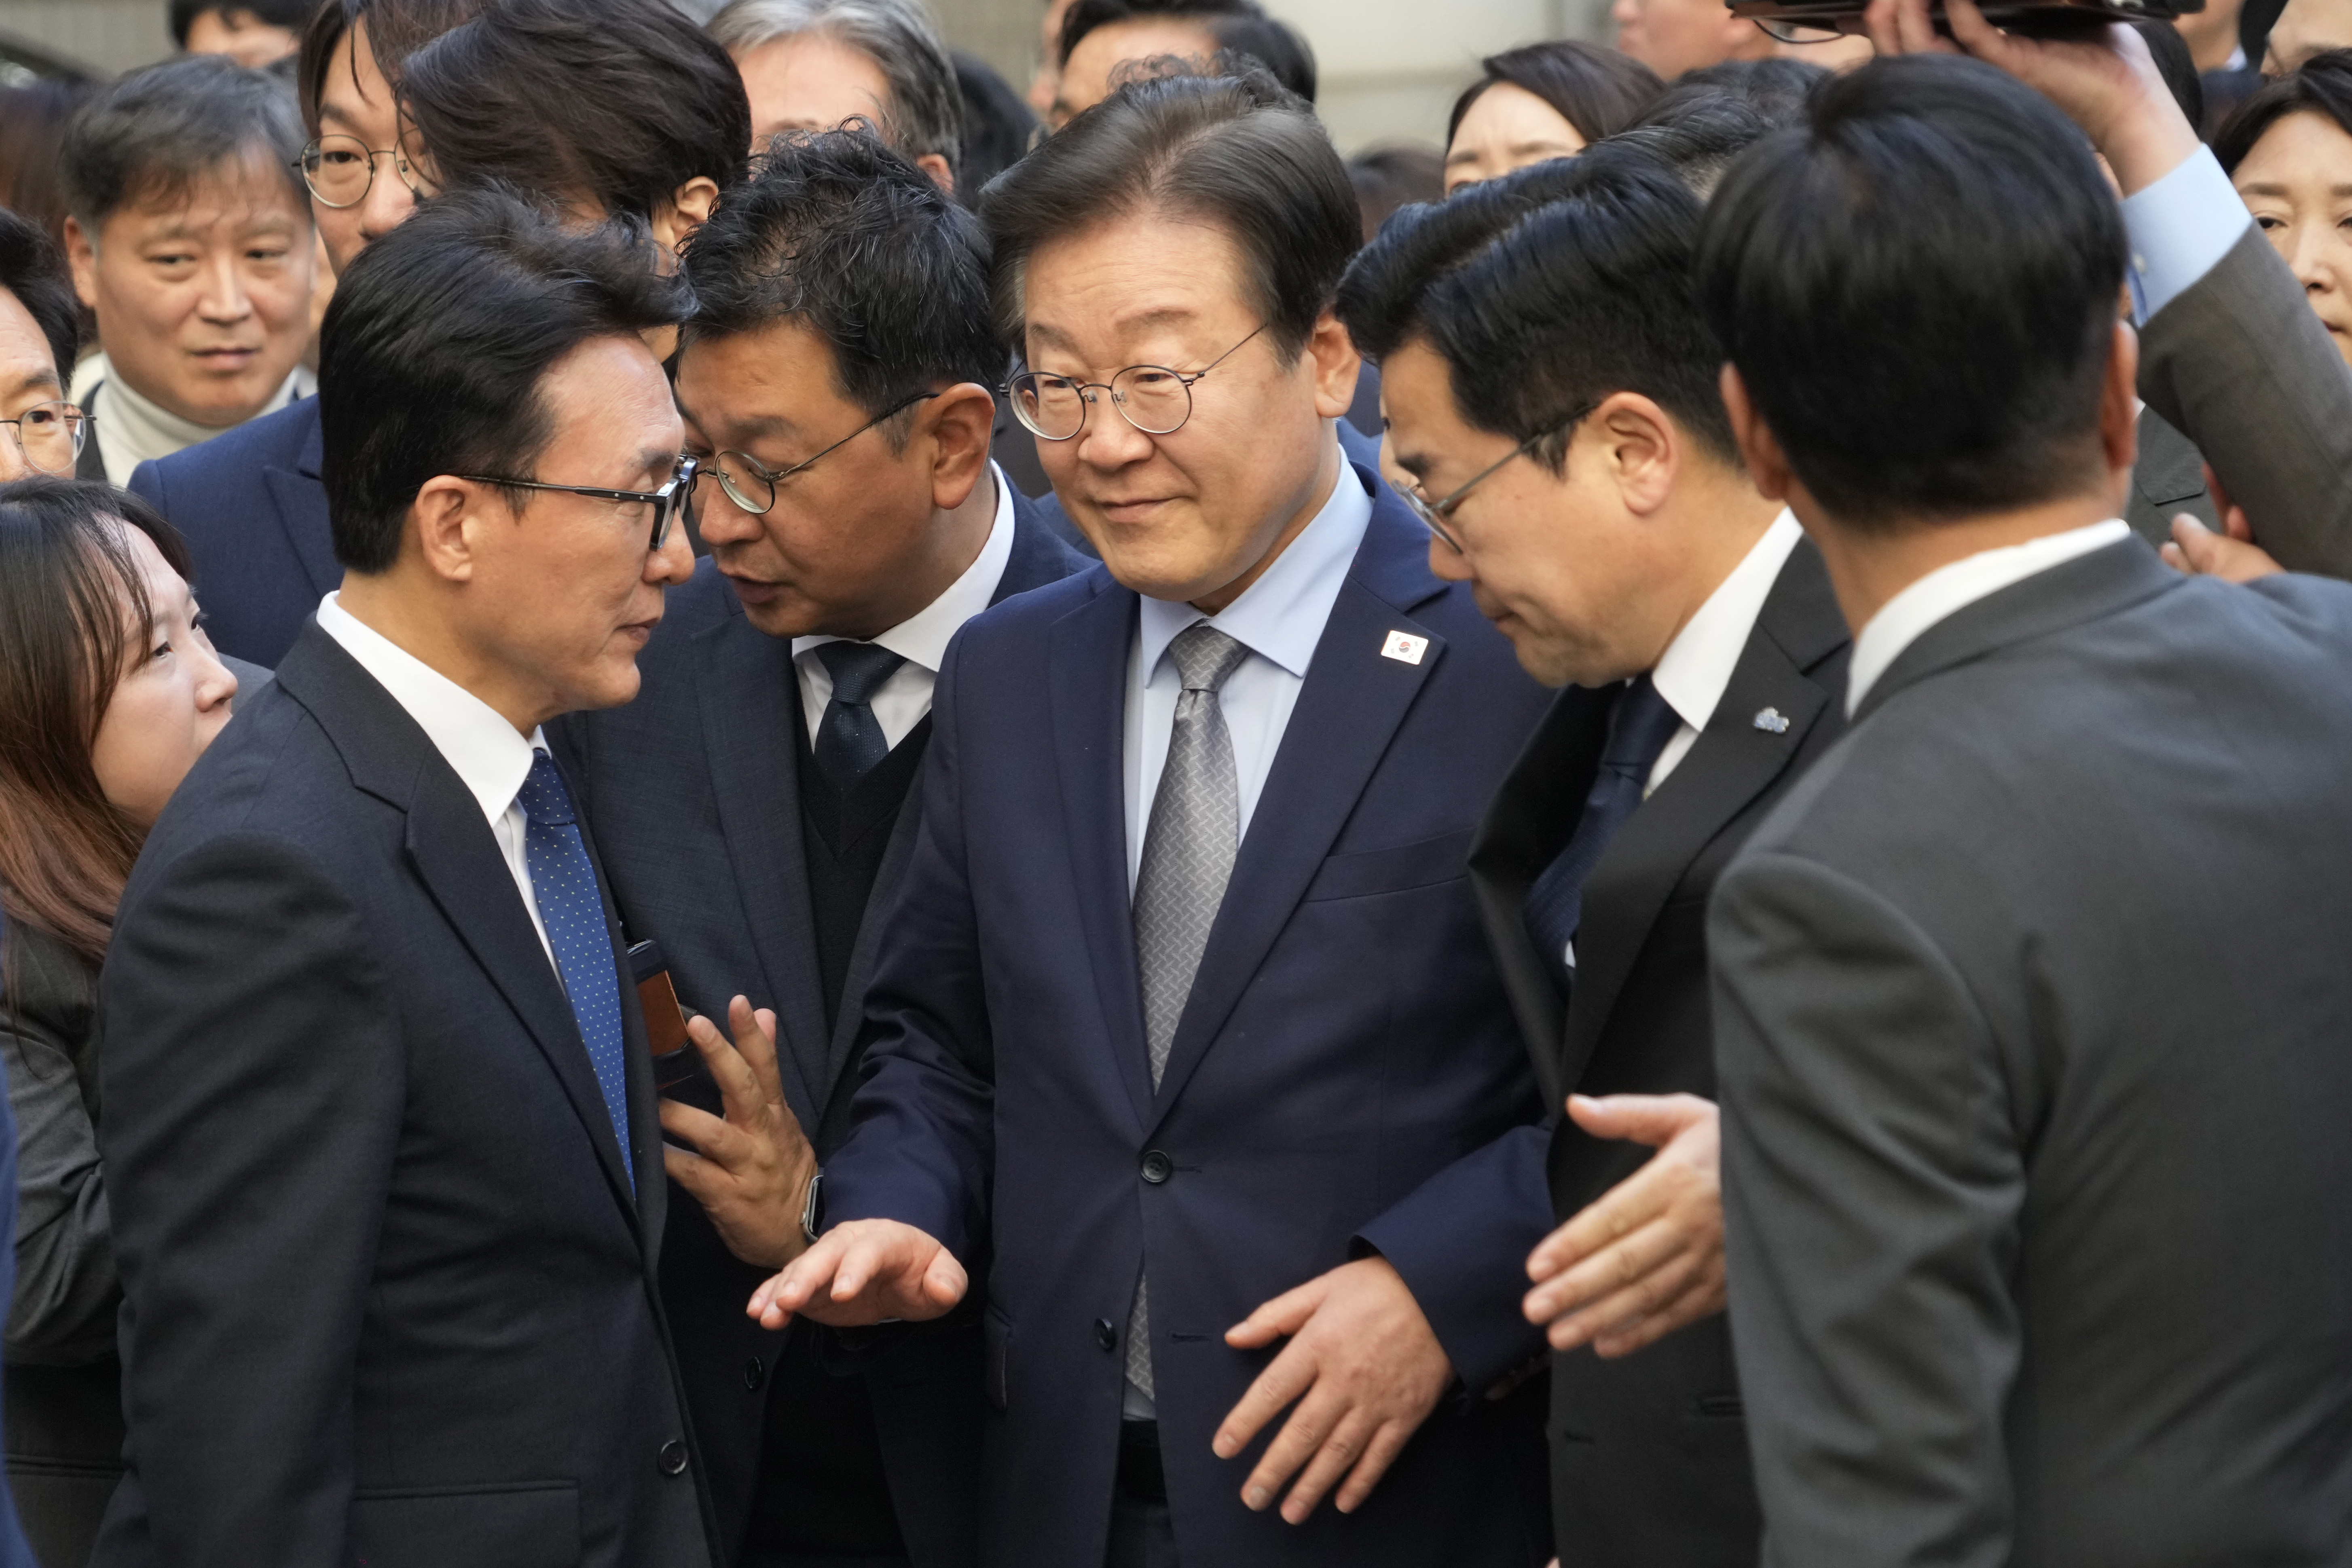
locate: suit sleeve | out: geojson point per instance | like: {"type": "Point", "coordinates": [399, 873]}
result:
{"type": "Point", "coordinates": [1871, 1188]}
{"type": "Point", "coordinates": [253, 1093]}
{"type": "Point", "coordinates": [2240, 365]}
{"type": "Point", "coordinates": [62, 1311]}
{"type": "Point", "coordinates": [922, 1143]}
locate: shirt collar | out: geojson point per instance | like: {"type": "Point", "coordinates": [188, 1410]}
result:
{"type": "Point", "coordinates": [1280, 616]}
{"type": "Point", "coordinates": [1947, 590]}
{"type": "Point", "coordinates": [489, 758]}
{"type": "Point", "coordinates": [1697, 666]}
{"type": "Point", "coordinates": [922, 638]}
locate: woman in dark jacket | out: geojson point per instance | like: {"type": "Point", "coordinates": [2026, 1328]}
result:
{"type": "Point", "coordinates": [109, 692]}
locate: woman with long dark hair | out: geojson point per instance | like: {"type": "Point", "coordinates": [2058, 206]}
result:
{"type": "Point", "coordinates": [109, 692]}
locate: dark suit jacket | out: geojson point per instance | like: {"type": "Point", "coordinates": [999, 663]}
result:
{"type": "Point", "coordinates": [1649, 1455]}
{"type": "Point", "coordinates": [389, 1297]}
{"type": "Point", "coordinates": [1346, 1077]}
{"type": "Point", "coordinates": [2030, 1006]}
{"type": "Point", "coordinates": [2239, 365]}
{"type": "Point", "coordinates": [695, 794]}
{"type": "Point", "coordinates": [2167, 480]}
{"type": "Point", "coordinates": [251, 508]}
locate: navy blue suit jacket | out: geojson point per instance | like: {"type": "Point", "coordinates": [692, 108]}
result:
{"type": "Point", "coordinates": [694, 790]}
{"type": "Point", "coordinates": [253, 511]}
{"type": "Point", "coordinates": [14, 1552]}
{"type": "Point", "coordinates": [1347, 1077]}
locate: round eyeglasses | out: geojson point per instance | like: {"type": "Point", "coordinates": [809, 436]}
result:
{"type": "Point", "coordinates": [665, 502]}
{"type": "Point", "coordinates": [50, 436]}
{"type": "Point", "coordinates": [1154, 399]}
{"type": "Point", "coordinates": [751, 485]}
{"type": "Point", "coordinates": [340, 170]}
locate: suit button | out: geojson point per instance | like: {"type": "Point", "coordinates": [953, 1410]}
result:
{"type": "Point", "coordinates": [672, 1458]}
{"type": "Point", "coordinates": [1156, 1167]}
{"type": "Point", "coordinates": [1106, 1335]}
{"type": "Point", "coordinates": [752, 1373]}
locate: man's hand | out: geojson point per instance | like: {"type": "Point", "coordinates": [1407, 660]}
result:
{"type": "Point", "coordinates": [864, 1272]}
{"type": "Point", "coordinates": [2196, 550]}
{"type": "Point", "coordinates": [2103, 79]}
{"type": "Point", "coordinates": [1645, 1258]}
{"type": "Point", "coordinates": [749, 1172]}
{"type": "Point", "coordinates": [1366, 1371]}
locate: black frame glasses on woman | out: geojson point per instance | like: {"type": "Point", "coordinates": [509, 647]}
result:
{"type": "Point", "coordinates": [1153, 386]}
{"type": "Point", "coordinates": [667, 501]}
{"type": "Point", "coordinates": [1434, 514]}
{"type": "Point", "coordinates": [337, 144]}
{"type": "Point", "coordinates": [757, 477]}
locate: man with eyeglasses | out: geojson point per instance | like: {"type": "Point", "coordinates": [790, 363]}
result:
{"type": "Point", "coordinates": [1183, 1022]}
{"type": "Point", "coordinates": [1548, 380]}
{"type": "Point", "coordinates": [39, 325]}
{"type": "Point", "coordinates": [381, 1143]}
{"type": "Point", "coordinates": [757, 805]}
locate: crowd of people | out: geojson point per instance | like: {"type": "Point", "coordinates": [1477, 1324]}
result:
{"type": "Point", "coordinates": [761, 806]}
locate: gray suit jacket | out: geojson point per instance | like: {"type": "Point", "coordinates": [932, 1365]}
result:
{"type": "Point", "coordinates": [2031, 1016]}
{"type": "Point", "coordinates": [2167, 480]}
{"type": "Point", "coordinates": [2241, 366]}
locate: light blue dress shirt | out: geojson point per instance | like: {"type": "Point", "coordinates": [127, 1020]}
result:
{"type": "Point", "coordinates": [1279, 619]}
{"type": "Point", "coordinates": [2180, 228]}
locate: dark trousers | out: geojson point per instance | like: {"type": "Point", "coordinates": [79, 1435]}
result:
{"type": "Point", "coordinates": [1141, 1533]}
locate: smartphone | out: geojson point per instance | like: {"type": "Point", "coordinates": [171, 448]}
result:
{"type": "Point", "coordinates": [674, 1059]}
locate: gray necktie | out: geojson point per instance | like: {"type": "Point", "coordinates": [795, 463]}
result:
{"type": "Point", "coordinates": [1188, 858]}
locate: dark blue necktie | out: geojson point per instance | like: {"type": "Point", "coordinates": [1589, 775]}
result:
{"type": "Point", "coordinates": [849, 738]}
{"type": "Point", "coordinates": [563, 884]}
{"type": "Point", "coordinates": [1640, 725]}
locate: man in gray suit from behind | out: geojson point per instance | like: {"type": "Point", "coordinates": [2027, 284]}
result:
{"type": "Point", "coordinates": [2031, 1001]}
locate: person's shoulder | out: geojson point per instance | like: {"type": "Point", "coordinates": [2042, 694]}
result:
{"type": "Point", "coordinates": [273, 441]}
{"type": "Point", "coordinates": [45, 982]}
{"type": "Point", "coordinates": [274, 770]}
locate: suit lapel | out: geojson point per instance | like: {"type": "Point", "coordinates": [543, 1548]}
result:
{"type": "Point", "coordinates": [296, 494]}
{"type": "Point", "coordinates": [750, 699]}
{"type": "Point", "coordinates": [1349, 708]}
{"type": "Point", "coordinates": [1091, 648]}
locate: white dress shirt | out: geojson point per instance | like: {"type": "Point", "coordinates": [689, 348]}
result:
{"type": "Point", "coordinates": [921, 639]}
{"type": "Point", "coordinates": [488, 755]}
{"type": "Point", "coordinates": [1279, 619]}
{"type": "Point", "coordinates": [2180, 228]}
{"type": "Point", "coordinates": [1697, 664]}
{"type": "Point", "coordinates": [1942, 592]}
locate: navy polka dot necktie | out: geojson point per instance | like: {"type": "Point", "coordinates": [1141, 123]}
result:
{"type": "Point", "coordinates": [563, 885]}
{"type": "Point", "coordinates": [849, 738]}
{"type": "Point", "coordinates": [1640, 725]}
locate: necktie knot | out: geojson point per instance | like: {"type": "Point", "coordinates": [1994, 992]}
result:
{"type": "Point", "coordinates": [1639, 728]}
{"type": "Point", "coordinates": [544, 798]}
{"type": "Point", "coordinates": [1205, 656]}
{"type": "Point", "coordinates": [858, 669]}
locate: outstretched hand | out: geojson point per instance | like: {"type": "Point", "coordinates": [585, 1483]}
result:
{"type": "Point", "coordinates": [864, 1272]}
{"type": "Point", "coordinates": [751, 1169]}
{"type": "Point", "coordinates": [1646, 1256]}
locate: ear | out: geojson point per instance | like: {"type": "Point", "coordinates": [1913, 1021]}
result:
{"type": "Point", "coordinates": [688, 208]}
{"type": "Point", "coordinates": [443, 518]}
{"type": "Point", "coordinates": [959, 424]}
{"type": "Point", "coordinates": [2119, 407]}
{"type": "Point", "coordinates": [1761, 449]}
{"type": "Point", "coordinates": [935, 166]}
{"type": "Point", "coordinates": [1335, 365]}
{"type": "Point", "coordinates": [1641, 446]}
{"type": "Point", "coordinates": [81, 253]}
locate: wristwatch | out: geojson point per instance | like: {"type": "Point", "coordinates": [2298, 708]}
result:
{"type": "Point", "coordinates": [812, 1208]}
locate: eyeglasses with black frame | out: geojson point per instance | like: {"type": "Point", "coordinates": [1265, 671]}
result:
{"type": "Point", "coordinates": [50, 436]}
{"type": "Point", "coordinates": [341, 170]}
{"type": "Point", "coordinates": [752, 486]}
{"type": "Point", "coordinates": [667, 501]}
{"type": "Point", "coordinates": [1434, 514]}
{"type": "Point", "coordinates": [1154, 399]}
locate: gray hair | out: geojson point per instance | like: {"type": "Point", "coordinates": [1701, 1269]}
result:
{"type": "Point", "coordinates": [924, 112]}
{"type": "Point", "coordinates": [157, 132]}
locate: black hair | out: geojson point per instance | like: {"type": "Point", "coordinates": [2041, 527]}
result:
{"type": "Point", "coordinates": [432, 354]}
{"type": "Point", "coordinates": [1089, 15]}
{"type": "Point", "coordinates": [290, 13]}
{"type": "Point", "coordinates": [1920, 292]}
{"type": "Point", "coordinates": [1776, 88]}
{"type": "Point", "coordinates": [1698, 131]}
{"type": "Point", "coordinates": [33, 116]}
{"type": "Point", "coordinates": [154, 133]}
{"type": "Point", "coordinates": [33, 270]}
{"type": "Point", "coordinates": [1234, 148]}
{"type": "Point", "coordinates": [1547, 291]}
{"type": "Point", "coordinates": [395, 30]}
{"type": "Point", "coordinates": [1597, 90]}
{"type": "Point", "coordinates": [2320, 84]}
{"type": "Point", "coordinates": [617, 101]}
{"type": "Point", "coordinates": [2177, 66]}
{"type": "Point", "coordinates": [840, 232]}
{"type": "Point", "coordinates": [1394, 176]}
{"type": "Point", "coordinates": [997, 125]}
{"type": "Point", "coordinates": [1277, 45]}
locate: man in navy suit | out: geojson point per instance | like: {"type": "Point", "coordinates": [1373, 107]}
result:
{"type": "Point", "coordinates": [379, 1137]}
{"type": "Point", "coordinates": [755, 806]}
{"type": "Point", "coordinates": [1185, 1021]}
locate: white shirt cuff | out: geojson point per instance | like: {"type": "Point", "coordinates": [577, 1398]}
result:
{"type": "Point", "coordinates": [2180, 228]}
